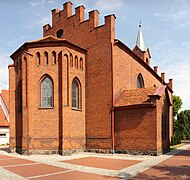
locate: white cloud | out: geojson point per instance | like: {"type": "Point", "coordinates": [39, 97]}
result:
{"type": "Point", "coordinates": [4, 61]}
{"type": "Point", "coordinates": [174, 60]}
{"type": "Point", "coordinates": [40, 2]}
{"type": "Point", "coordinates": [41, 20]}
{"type": "Point", "coordinates": [180, 17]}
{"type": "Point", "coordinates": [109, 5]}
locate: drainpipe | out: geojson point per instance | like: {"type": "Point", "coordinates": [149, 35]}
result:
{"type": "Point", "coordinates": [112, 130]}
{"type": "Point", "coordinates": [112, 101]}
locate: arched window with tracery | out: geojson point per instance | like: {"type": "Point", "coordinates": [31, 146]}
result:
{"type": "Point", "coordinates": [46, 92]}
{"type": "Point", "coordinates": [38, 58]}
{"type": "Point", "coordinates": [140, 81]}
{"type": "Point", "coordinates": [76, 94]}
{"type": "Point", "coordinates": [54, 57]}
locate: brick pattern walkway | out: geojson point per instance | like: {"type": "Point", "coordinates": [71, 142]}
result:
{"type": "Point", "coordinates": [177, 167]}
{"type": "Point", "coordinates": [81, 166]}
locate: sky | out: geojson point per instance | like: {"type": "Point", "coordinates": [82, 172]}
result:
{"type": "Point", "coordinates": [165, 27]}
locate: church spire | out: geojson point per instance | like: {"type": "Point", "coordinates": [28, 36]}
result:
{"type": "Point", "coordinates": [140, 41]}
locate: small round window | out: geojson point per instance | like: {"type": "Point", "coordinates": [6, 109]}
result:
{"type": "Point", "coordinates": [59, 33]}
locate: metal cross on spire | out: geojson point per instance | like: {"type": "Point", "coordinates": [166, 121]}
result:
{"type": "Point", "coordinates": [140, 24]}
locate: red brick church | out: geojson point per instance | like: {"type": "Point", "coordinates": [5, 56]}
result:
{"type": "Point", "coordinates": [81, 89]}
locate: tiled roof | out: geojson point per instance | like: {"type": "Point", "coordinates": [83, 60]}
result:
{"type": "Point", "coordinates": [5, 95]}
{"type": "Point", "coordinates": [138, 96]}
{"type": "Point", "coordinates": [3, 120]}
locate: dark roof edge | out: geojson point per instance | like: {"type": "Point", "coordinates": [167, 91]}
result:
{"type": "Point", "coordinates": [128, 50]}
{"type": "Point", "coordinates": [26, 44]}
{"type": "Point", "coordinates": [133, 106]}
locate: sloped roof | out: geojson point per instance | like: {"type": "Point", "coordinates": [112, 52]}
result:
{"type": "Point", "coordinates": [139, 96]}
{"type": "Point", "coordinates": [47, 41]}
{"type": "Point", "coordinates": [4, 108]}
{"type": "Point", "coordinates": [124, 47]}
{"type": "Point", "coordinates": [5, 96]}
{"type": "Point", "coordinates": [3, 120]}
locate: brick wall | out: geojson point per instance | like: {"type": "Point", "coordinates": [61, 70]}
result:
{"type": "Point", "coordinates": [126, 70]}
{"type": "Point", "coordinates": [135, 129]}
{"type": "Point", "coordinates": [108, 69]}
{"type": "Point", "coordinates": [97, 39]}
{"type": "Point", "coordinates": [49, 128]}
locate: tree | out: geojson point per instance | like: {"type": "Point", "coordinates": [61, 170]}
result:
{"type": "Point", "coordinates": [183, 125]}
{"type": "Point", "coordinates": [177, 103]}
{"type": "Point", "coordinates": [179, 128]}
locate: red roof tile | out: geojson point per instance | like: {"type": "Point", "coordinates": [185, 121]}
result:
{"type": "Point", "coordinates": [3, 120]}
{"type": "Point", "coordinates": [160, 91]}
{"type": "Point", "coordinates": [137, 96]}
{"type": "Point", "coordinates": [5, 96]}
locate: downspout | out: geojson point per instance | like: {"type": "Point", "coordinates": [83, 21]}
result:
{"type": "Point", "coordinates": [112, 108]}
{"type": "Point", "coordinates": [25, 62]}
{"type": "Point", "coordinates": [113, 130]}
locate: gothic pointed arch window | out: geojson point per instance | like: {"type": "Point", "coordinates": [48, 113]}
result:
{"type": "Point", "coordinates": [81, 63]}
{"type": "Point", "coordinates": [38, 58]}
{"type": "Point", "coordinates": [46, 58]}
{"type": "Point", "coordinates": [46, 88]}
{"type": "Point", "coordinates": [140, 81]}
{"type": "Point", "coordinates": [76, 94]}
{"type": "Point", "coordinates": [71, 60]}
{"type": "Point", "coordinates": [54, 57]}
{"type": "Point", "coordinates": [76, 62]}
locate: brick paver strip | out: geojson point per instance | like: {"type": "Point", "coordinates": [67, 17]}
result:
{"type": "Point", "coordinates": [184, 154]}
{"type": "Point", "coordinates": [148, 164]}
{"type": "Point", "coordinates": [176, 162]}
{"type": "Point", "coordinates": [105, 163]}
{"type": "Point", "coordinates": [76, 175]}
{"type": "Point", "coordinates": [139, 169]}
{"type": "Point", "coordinates": [6, 157]}
{"type": "Point", "coordinates": [35, 170]}
{"type": "Point", "coordinates": [15, 161]}
{"type": "Point", "coordinates": [7, 175]}
{"type": "Point", "coordinates": [176, 167]}
{"type": "Point", "coordinates": [165, 173]}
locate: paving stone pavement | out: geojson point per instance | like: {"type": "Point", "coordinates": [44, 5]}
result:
{"type": "Point", "coordinates": [83, 166]}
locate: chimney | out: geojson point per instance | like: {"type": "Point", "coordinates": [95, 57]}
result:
{"type": "Point", "coordinates": [110, 19]}
{"type": "Point", "coordinates": [45, 29]}
{"type": "Point", "coordinates": [156, 69]}
{"type": "Point", "coordinates": [67, 8]}
{"type": "Point", "coordinates": [55, 13]}
{"type": "Point", "coordinates": [110, 24]}
{"type": "Point", "coordinates": [79, 11]}
{"type": "Point", "coordinates": [94, 18]}
{"type": "Point", "coordinates": [170, 83]}
{"type": "Point", "coordinates": [163, 76]}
